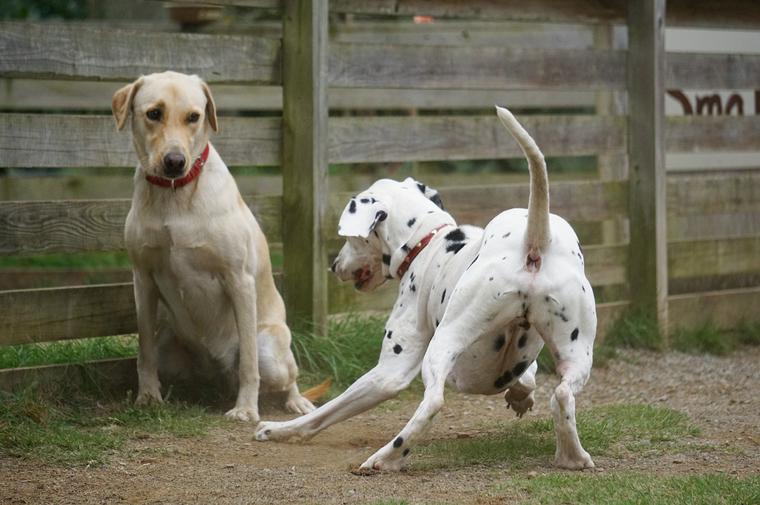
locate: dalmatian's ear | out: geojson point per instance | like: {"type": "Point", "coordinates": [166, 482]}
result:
{"type": "Point", "coordinates": [430, 193]}
{"type": "Point", "coordinates": [360, 216]}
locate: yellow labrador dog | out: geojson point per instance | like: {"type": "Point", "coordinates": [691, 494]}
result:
{"type": "Point", "coordinates": [202, 273]}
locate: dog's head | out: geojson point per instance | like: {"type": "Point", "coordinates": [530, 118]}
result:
{"type": "Point", "coordinates": [377, 223]}
{"type": "Point", "coordinates": [171, 115]}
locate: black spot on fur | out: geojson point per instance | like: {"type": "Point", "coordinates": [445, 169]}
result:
{"type": "Point", "coordinates": [499, 343]}
{"type": "Point", "coordinates": [404, 247]}
{"type": "Point", "coordinates": [387, 259]}
{"type": "Point", "coordinates": [413, 288]}
{"type": "Point", "coordinates": [411, 277]}
{"type": "Point", "coordinates": [352, 206]}
{"type": "Point", "coordinates": [411, 222]}
{"type": "Point", "coordinates": [443, 296]}
{"type": "Point", "coordinates": [520, 368]}
{"type": "Point", "coordinates": [398, 442]}
{"type": "Point", "coordinates": [421, 187]}
{"type": "Point", "coordinates": [506, 234]}
{"type": "Point", "coordinates": [561, 316]}
{"type": "Point", "coordinates": [455, 235]}
{"type": "Point", "coordinates": [397, 349]}
{"type": "Point", "coordinates": [574, 334]}
{"type": "Point", "coordinates": [436, 199]}
{"type": "Point", "coordinates": [455, 247]}
{"type": "Point", "coordinates": [583, 288]}
{"type": "Point", "coordinates": [437, 322]}
{"type": "Point", "coordinates": [364, 200]}
{"type": "Point", "coordinates": [503, 380]}
{"type": "Point", "coordinates": [381, 216]}
{"type": "Point", "coordinates": [388, 333]}
{"type": "Point", "coordinates": [523, 340]}
{"type": "Point", "coordinates": [406, 452]}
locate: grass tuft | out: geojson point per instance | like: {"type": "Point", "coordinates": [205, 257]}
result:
{"type": "Point", "coordinates": [635, 489]}
{"type": "Point", "coordinates": [69, 351]}
{"type": "Point", "coordinates": [604, 431]}
{"type": "Point", "coordinates": [707, 338]}
{"type": "Point", "coordinates": [349, 350]}
{"type": "Point", "coordinates": [84, 431]}
{"type": "Point", "coordinates": [635, 330]}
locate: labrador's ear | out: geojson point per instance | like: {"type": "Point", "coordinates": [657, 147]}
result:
{"type": "Point", "coordinates": [360, 216]}
{"type": "Point", "coordinates": [430, 193]}
{"type": "Point", "coordinates": [121, 103]}
{"type": "Point", "coordinates": [210, 108]}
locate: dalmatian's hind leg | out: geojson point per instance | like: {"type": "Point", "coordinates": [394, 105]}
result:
{"type": "Point", "coordinates": [519, 396]}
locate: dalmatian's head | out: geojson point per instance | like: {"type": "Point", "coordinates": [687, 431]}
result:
{"type": "Point", "coordinates": [377, 223]}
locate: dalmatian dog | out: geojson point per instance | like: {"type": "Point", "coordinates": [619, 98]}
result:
{"type": "Point", "coordinates": [475, 307]}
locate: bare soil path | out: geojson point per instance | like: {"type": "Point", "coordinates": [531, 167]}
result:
{"type": "Point", "coordinates": [720, 395]}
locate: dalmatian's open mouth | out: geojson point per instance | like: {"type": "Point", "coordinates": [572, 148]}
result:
{"type": "Point", "coordinates": [362, 277]}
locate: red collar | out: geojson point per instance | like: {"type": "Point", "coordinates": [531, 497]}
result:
{"type": "Point", "coordinates": [166, 182]}
{"type": "Point", "coordinates": [404, 266]}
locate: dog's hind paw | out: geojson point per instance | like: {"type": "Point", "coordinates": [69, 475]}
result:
{"type": "Point", "coordinates": [519, 402]}
{"type": "Point", "coordinates": [148, 398]}
{"type": "Point", "coordinates": [248, 414]}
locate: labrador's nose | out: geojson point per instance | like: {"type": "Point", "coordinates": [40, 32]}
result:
{"type": "Point", "coordinates": [174, 164]}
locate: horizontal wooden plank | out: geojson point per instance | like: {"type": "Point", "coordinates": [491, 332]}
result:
{"type": "Point", "coordinates": [399, 66]}
{"type": "Point", "coordinates": [712, 71]}
{"type": "Point", "coordinates": [45, 95]}
{"type": "Point", "coordinates": [726, 309]}
{"type": "Point", "coordinates": [713, 257]}
{"type": "Point", "coordinates": [256, 141]}
{"type": "Point", "coordinates": [91, 225]}
{"type": "Point", "coordinates": [41, 315]}
{"type": "Point", "coordinates": [476, 137]}
{"type": "Point", "coordinates": [34, 278]}
{"type": "Point", "coordinates": [726, 14]}
{"type": "Point", "coordinates": [52, 50]}
{"type": "Point", "coordinates": [713, 133]}
{"type": "Point", "coordinates": [262, 4]}
{"type": "Point", "coordinates": [714, 205]}
{"type": "Point", "coordinates": [54, 140]}
{"type": "Point", "coordinates": [118, 374]}
{"type": "Point", "coordinates": [88, 187]}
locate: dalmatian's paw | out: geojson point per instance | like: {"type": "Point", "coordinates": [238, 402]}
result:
{"type": "Point", "coordinates": [580, 461]}
{"type": "Point", "coordinates": [519, 401]}
{"type": "Point", "coordinates": [388, 459]}
{"type": "Point", "coordinates": [248, 414]}
{"type": "Point", "coordinates": [277, 431]}
{"type": "Point", "coordinates": [298, 405]}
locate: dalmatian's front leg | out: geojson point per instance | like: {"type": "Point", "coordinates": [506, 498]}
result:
{"type": "Point", "coordinates": [398, 365]}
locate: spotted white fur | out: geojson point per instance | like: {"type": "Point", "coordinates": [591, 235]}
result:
{"type": "Point", "coordinates": [474, 309]}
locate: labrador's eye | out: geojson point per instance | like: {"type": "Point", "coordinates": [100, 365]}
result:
{"type": "Point", "coordinates": [154, 114]}
{"type": "Point", "coordinates": [193, 117]}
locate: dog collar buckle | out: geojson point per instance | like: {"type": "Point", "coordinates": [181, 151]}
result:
{"type": "Point", "coordinates": [417, 249]}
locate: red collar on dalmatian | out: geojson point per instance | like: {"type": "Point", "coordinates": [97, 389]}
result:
{"type": "Point", "coordinates": [404, 266]}
{"type": "Point", "coordinates": [190, 176]}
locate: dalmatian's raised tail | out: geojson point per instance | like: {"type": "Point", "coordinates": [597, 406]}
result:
{"type": "Point", "coordinates": [537, 235]}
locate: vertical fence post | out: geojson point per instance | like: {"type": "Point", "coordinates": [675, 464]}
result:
{"type": "Point", "coordinates": [304, 160]}
{"type": "Point", "coordinates": [647, 263]}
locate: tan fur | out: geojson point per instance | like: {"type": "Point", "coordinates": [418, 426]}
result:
{"type": "Point", "coordinates": [318, 391]}
{"type": "Point", "coordinates": [200, 260]}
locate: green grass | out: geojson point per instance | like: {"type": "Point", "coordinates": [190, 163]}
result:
{"type": "Point", "coordinates": [92, 260]}
{"type": "Point", "coordinates": [349, 350]}
{"type": "Point", "coordinates": [604, 431]}
{"type": "Point", "coordinates": [69, 351]}
{"type": "Point", "coordinates": [633, 489]}
{"type": "Point", "coordinates": [84, 430]}
{"type": "Point", "coordinates": [635, 330]}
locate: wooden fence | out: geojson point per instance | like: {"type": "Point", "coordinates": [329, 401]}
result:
{"type": "Point", "coordinates": [295, 88]}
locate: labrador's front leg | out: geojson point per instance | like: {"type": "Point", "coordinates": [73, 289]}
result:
{"type": "Point", "coordinates": [242, 291]}
{"type": "Point", "coordinates": [146, 304]}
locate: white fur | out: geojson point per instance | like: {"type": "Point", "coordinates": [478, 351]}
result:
{"type": "Point", "coordinates": [202, 273]}
{"type": "Point", "coordinates": [473, 311]}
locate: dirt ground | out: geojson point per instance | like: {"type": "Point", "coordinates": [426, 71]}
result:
{"type": "Point", "coordinates": [228, 467]}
